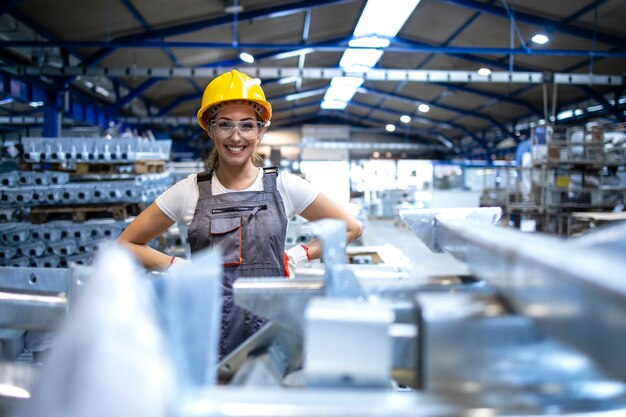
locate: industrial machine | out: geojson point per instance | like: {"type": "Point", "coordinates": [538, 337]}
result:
{"type": "Point", "coordinates": [536, 328]}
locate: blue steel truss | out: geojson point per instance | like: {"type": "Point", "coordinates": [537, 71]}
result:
{"type": "Point", "coordinates": [150, 37]}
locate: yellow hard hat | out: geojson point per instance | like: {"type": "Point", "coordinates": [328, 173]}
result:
{"type": "Point", "coordinates": [232, 86]}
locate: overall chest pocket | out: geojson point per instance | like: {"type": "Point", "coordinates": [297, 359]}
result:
{"type": "Point", "coordinates": [242, 232]}
{"type": "Point", "coordinates": [226, 232]}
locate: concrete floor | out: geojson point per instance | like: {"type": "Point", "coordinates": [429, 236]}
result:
{"type": "Point", "coordinates": [382, 231]}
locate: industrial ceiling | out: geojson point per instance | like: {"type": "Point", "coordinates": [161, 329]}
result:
{"type": "Point", "coordinates": [145, 63]}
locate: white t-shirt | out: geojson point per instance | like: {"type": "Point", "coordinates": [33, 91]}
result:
{"type": "Point", "coordinates": [179, 201]}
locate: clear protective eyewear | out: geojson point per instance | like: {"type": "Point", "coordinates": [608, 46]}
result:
{"type": "Point", "coordinates": [248, 129]}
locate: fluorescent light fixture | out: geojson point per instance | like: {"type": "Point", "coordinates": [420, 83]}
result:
{"type": "Point", "coordinates": [565, 115]}
{"type": "Point", "coordinates": [36, 103]}
{"type": "Point", "coordinates": [423, 108]}
{"type": "Point", "coordinates": [88, 84]}
{"type": "Point", "coordinates": [6, 101]}
{"type": "Point", "coordinates": [102, 91]}
{"type": "Point", "coordinates": [540, 39]}
{"type": "Point", "coordinates": [246, 57]}
{"type": "Point", "coordinates": [578, 112]}
{"type": "Point", "coordinates": [445, 142]}
{"type": "Point", "coordinates": [233, 9]}
{"type": "Point", "coordinates": [384, 17]}
{"type": "Point", "coordinates": [595, 108]}
{"type": "Point", "coordinates": [484, 72]}
{"type": "Point", "coordinates": [288, 80]}
{"type": "Point", "coordinates": [304, 94]}
{"type": "Point", "coordinates": [390, 128]}
{"type": "Point", "coordinates": [291, 54]}
{"type": "Point", "coordinates": [405, 118]}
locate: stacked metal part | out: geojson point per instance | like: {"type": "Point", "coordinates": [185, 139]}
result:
{"type": "Point", "coordinates": [26, 189]}
{"type": "Point", "coordinates": [94, 150]}
{"type": "Point", "coordinates": [528, 332]}
{"type": "Point", "coordinates": [54, 244]}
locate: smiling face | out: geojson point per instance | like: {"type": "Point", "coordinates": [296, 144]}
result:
{"type": "Point", "coordinates": [232, 147]}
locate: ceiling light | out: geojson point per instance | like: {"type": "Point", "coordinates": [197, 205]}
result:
{"type": "Point", "coordinates": [423, 108]}
{"type": "Point", "coordinates": [484, 72]}
{"type": "Point", "coordinates": [246, 57]}
{"type": "Point", "coordinates": [540, 39]}
{"type": "Point", "coordinates": [304, 94]}
{"type": "Point", "coordinates": [232, 9]}
{"type": "Point", "coordinates": [6, 101]}
{"type": "Point", "coordinates": [405, 118]}
{"type": "Point", "coordinates": [390, 128]}
{"type": "Point", "coordinates": [288, 80]}
{"type": "Point", "coordinates": [102, 91]}
{"type": "Point", "coordinates": [376, 154]}
{"type": "Point", "coordinates": [291, 54]}
{"type": "Point", "coordinates": [36, 103]}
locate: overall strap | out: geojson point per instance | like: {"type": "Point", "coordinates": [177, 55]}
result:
{"type": "Point", "coordinates": [204, 184]}
{"type": "Point", "coordinates": [269, 178]}
{"type": "Point", "coordinates": [205, 176]}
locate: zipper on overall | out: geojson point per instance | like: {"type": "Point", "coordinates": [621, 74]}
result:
{"type": "Point", "coordinates": [254, 209]}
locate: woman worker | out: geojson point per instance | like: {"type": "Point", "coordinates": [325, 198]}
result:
{"type": "Point", "coordinates": [235, 204]}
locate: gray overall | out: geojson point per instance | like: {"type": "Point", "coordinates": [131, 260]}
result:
{"type": "Point", "coordinates": [250, 227]}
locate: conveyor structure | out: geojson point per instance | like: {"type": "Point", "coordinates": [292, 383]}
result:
{"type": "Point", "coordinates": [536, 329]}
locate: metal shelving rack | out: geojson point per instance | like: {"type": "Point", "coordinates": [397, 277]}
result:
{"type": "Point", "coordinates": [574, 169]}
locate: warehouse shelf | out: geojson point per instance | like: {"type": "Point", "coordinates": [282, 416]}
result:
{"type": "Point", "coordinates": [574, 169]}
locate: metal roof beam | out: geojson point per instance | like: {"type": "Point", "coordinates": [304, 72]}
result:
{"type": "Point", "coordinates": [452, 37]}
{"type": "Point", "coordinates": [459, 110]}
{"type": "Point", "coordinates": [391, 75]}
{"type": "Point", "coordinates": [549, 24]}
{"type": "Point", "coordinates": [121, 102]}
{"type": "Point", "coordinates": [442, 123]}
{"type": "Point", "coordinates": [435, 134]}
{"type": "Point", "coordinates": [586, 9]}
{"type": "Point", "coordinates": [451, 50]}
{"type": "Point", "coordinates": [181, 99]}
{"type": "Point", "coordinates": [357, 119]}
{"type": "Point", "coordinates": [269, 12]}
{"type": "Point", "coordinates": [613, 110]}
{"type": "Point", "coordinates": [499, 97]}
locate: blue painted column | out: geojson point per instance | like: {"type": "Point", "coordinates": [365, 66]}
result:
{"type": "Point", "coordinates": [52, 115]}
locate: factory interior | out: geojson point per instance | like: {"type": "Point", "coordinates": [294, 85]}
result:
{"type": "Point", "coordinates": [480, 146]}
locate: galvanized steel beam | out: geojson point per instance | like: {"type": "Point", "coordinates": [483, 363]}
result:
{"type": "Point", "coordinates": [392, 75]}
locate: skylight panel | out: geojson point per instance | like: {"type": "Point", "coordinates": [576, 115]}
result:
{"type": "Point", "coordinates": [380, 20]}
{"type": "Point", "coordinates": [384, 17]}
